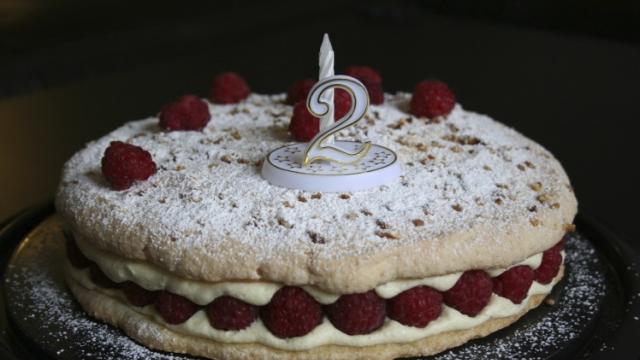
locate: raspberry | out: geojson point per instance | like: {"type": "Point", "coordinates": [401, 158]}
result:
{"type": "Point", "coordinates": [371, 79]}
{"type": "Point", "coordinates": [189, 112]}
{"type": "Point", "coordinates": [228, 313]}
{"type": "Point", "coordinates": [101, 279]}
{"type": "Point", "coordinates": [471, 293]}
{"type": "Point", "coordinates": [342, 103]}
{"type": "Point", "coordinates": [514, 283]}
{"type": "Point", "coordinates": [75, 256]}
{"type": "Point", "coordinates": [174, 309]}
{"type": "Point", "coordinates": [356, 314]}
{"type": "Point", "coordinates": [123, 164]}
{"type": "Point", "coordinates": [415, 307]}
{"type": "Point", "coordinates": [299, 90]}
{"type": "Point", "coordinates": [291, 312]}
{"type": "Point", "coordinates": [431, 99]}
{"type": "Point", "coordinates": [137, 295]}
{"type": "Point", "coordinates": [304, 126]}
{"type": "Point", "coordinates": [229, 88]}
{"type": "Point", "coordinates": [550, 265]}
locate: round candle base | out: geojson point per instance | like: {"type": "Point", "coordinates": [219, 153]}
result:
{"type": "Point", "coordinates": [283, 167]}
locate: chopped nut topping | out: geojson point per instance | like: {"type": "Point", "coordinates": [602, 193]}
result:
{"type": "Point", "coordinates": [417, 222]}
{"type": "Point", "coordinates": [381, 224]}
{"type": "Point", "coordinates": [502, 186]}
{"type": "Point", "coordinates": [285, 223]}
{"type": "Point", "coordinates": [392, 235]}
{"type": "Point", "coordinates": [162, 200]}
{"type": "Point", "coordinates": [569, 227]}
{"type": "Point", "coordinates": [521, 167]}
{"type": "Point", "coordinates": [316, 196]}
{"type": "Point", "coordinates": [529, 164]}
{"type": "Point", "coordinates": [498, 201]}
{"type": "Point", "coordinates": [544, 198]}
{"type": "Point", "coordinates": [436, 144]}
{"type": "Point", "coordinates": [398, 124]}
{"type": "Point", "coordinates": [180, 167]}
{"type": "Point", "coordinates": [535, 222]}
{"type": "Point", "coordinates": [462, 140]}
{"type": "Point", "coordinates": [487, 167]}
{"type": "Point", "coordinates": [316, 238]}
{"type": "Point", "coordinates": [345, 196]}
{"type": "Point", "coordinates": [421, 147]}
{"type": "Point", "coordinates": [456, 207]}
{"type": "Point", "coordinates": [427, 159]}
{"type": "Point", "coordinates": [351, 215]}
{"type": "Point", "coordinates": [536, 186]}
{"type": "Point", "coordinates": [555, 205]}
{"type": "Point", "coordinates": [532, 208]}
{"type": "Point", "coordinates": [287, 204]}
{"type": "Point", "coordinates": [227, 159]}
{"type": "Point", "coordinates": [236, 134]}
{"type": "Point", "coordinates": [243, 161]}
{"type": "Point", "coordinates": [457, 149]}
{"type": "Point", "coordinates": [302, 199]}
{"type": "Point", "coordinates": [366, 212]}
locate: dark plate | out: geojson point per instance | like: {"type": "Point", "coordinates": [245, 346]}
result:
{"type": "Point", "coordinates": [596, 314]}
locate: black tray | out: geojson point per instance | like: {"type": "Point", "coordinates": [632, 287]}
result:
{"type": "Point", "coordinates": [603, 326]}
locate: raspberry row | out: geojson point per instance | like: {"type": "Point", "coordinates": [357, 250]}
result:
{"type": "Point", "coordinates": [292, 312]}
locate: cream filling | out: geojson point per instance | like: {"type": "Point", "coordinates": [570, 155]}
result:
{"type": "Point", "coordinates": [151, 277]}
{"type": "Point", "coordinates": [324, 334]}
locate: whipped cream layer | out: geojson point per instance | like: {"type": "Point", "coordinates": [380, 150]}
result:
{"type": "Point", "coordinates": [325, 333]}
{"type": "Point", "coordinates": [258, 293]}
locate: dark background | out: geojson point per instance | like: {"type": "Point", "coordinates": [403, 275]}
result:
{"type": "Point", "coordinates": [565, 73]}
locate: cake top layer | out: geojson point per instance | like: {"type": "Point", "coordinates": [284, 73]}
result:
{"type": "Point", "coordinates": [474, 194]}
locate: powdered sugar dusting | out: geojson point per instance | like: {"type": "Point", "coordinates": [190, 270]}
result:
{"type": "Point", "coordinates": [208, 195]}
{"type": "Point", "coordinates": [42, 306]}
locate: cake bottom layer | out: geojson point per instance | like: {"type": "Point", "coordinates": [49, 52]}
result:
{"type": "Point", "coordinates": [156, 336]}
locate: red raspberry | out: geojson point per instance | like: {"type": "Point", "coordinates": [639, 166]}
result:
{"type": "Point", "coordinates": [174, 309]}
{"type": "Point", "coordinates": [514, 283]}
{"type": "Point", "coordinates": [415, 307]}
{"type": "Point", "coordinates": [137, 295]}
{"type": "Point", "coordinates": [189, 112]}
{"type": "Point", "coordinates": [431, 99]}
{"type": "Point", "coordinates": [229, 88]}
{"type": "Point", "coordinates": [304, 126]}
{"type": "Point", "coordinates": [123, 164]}
{"type": "Point", "coordinates": [550, 265]}
{"type": "Point", "coordinates": [75, 256]}
{"type": "Point", "coordinates": [228, 313]}
{"type": "Point", "coordinates": [371, 79]}
{"type": "Point", "coordinates": [291, 312]}
{"type": "Point", "coordinates": [299, 90]}
{"type": "Point", "coordinates": [471, 293]}
{"type": "Point", "coordinates": [342, 103]}
{"type": "Point", "coordinates": [356, 314]}
{"type": "Point", "coordinates": [101, 279]}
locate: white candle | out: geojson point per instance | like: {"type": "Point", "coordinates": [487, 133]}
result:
{"type": "Point", "coordinates": [326, 69]}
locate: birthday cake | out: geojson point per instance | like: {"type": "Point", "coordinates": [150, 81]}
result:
{"type": "Point", "coordinates": [177, 238]}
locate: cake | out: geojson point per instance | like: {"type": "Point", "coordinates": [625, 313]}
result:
{"type": "Point", "coordinates": [202, 256]}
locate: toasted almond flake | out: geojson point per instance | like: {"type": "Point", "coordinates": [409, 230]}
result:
{"type": "Point", "coordinates": [392, 235]}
